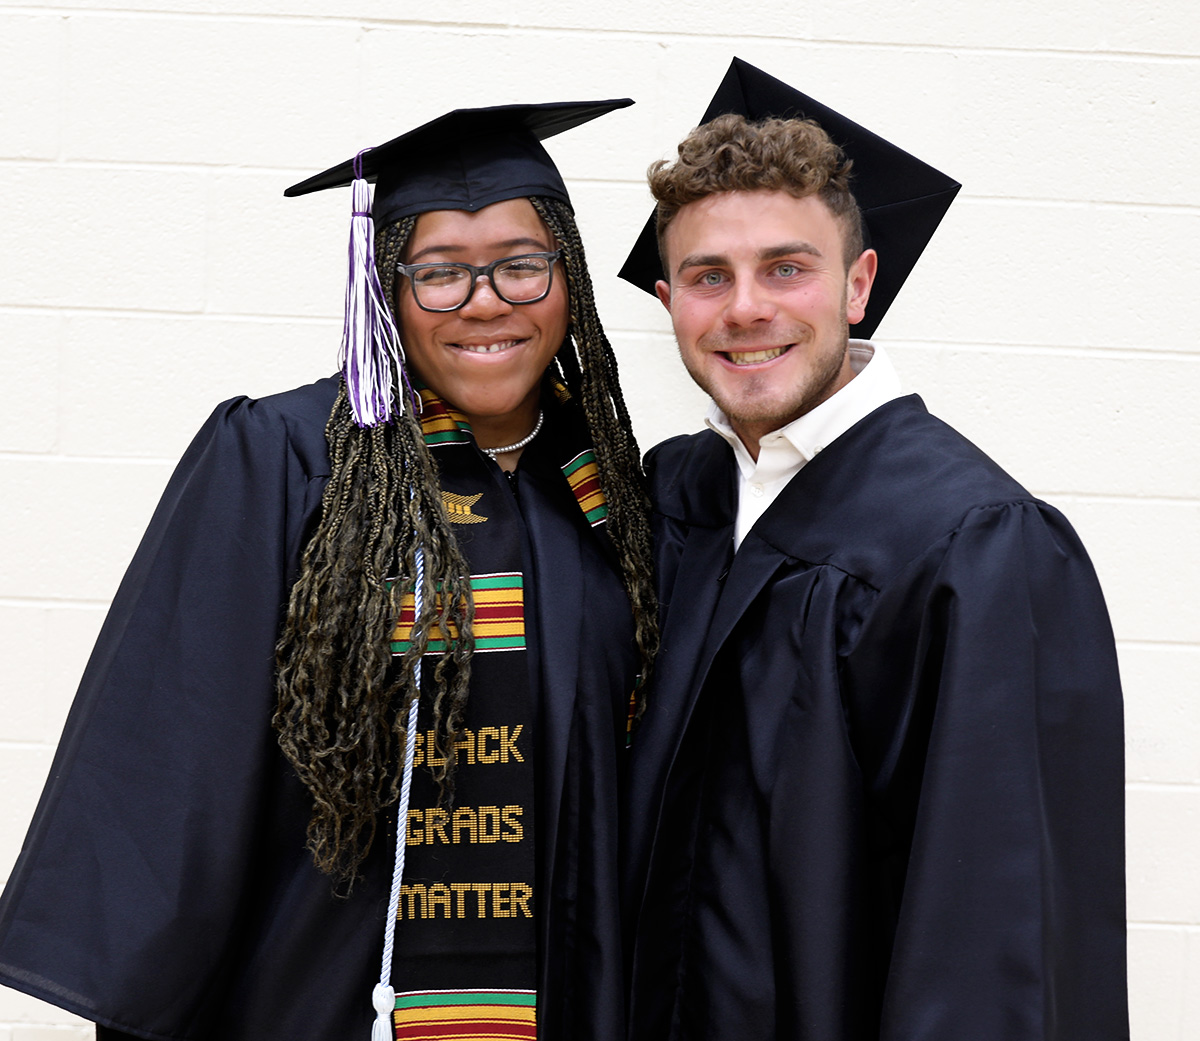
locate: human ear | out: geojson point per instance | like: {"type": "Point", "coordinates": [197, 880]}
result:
{"type": "Point", "coordinates": [859, 280]}
{"type": "Point", "coordinates": [663, 291]}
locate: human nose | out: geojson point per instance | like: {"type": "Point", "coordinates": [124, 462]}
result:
{"type": "Point", "coordinates": [484, 302]}
{"type": "Point", "coordinates": [748, 302]}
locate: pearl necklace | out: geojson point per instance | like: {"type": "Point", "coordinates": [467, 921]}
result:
{"type": "Point", "coordinates": [537, 429]}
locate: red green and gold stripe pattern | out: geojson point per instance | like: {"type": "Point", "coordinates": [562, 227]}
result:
{"type": "Point", "coordinates": [466, 1015]}
{"type": "Point", "coordinates": [440, 423]}
{"type": "Point", "coordinates": [499, 616]}
{"type": "Point", "coordinates": [584, 479]}
{"type": "Point", "coordinates": [443, 425]}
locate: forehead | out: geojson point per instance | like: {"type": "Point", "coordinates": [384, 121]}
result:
{"type": "Point", "coordinates": [511, 222]}
{"type": "Point", "coordinates": [737, 222]}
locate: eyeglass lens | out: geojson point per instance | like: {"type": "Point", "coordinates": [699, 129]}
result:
{"type": "Point", "coordinates": [514, 279]}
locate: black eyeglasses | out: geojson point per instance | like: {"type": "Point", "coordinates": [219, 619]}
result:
{"type": "Point", "coordinates": [524, 279]}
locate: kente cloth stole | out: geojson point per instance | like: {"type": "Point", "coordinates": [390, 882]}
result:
{"type": "Point", "coordinates": [465, 955]}
{"type": "Point", "coordinates": [466, 1015]}
{"type": "Point", "coordinates": [443, 425]}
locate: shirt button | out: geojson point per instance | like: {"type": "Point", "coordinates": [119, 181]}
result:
{"type": "Point", "coordinates": [756, 489]}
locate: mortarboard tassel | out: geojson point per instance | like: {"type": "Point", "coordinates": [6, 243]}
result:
{"type": "Point", "coordinates": [371, 350]}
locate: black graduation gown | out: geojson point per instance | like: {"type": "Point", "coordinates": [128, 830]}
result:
{"type": "Point", "coordinates": [164, 890]}
{"type": "Point", "coordinates": [878, 792]}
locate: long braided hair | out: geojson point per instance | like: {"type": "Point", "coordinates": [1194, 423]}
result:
{"type": "Point", "coordinates": [342, 703]}
{"type": "Point", "coordinates": [590, 373]}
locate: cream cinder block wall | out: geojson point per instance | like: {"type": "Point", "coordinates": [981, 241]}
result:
{"type": "Point", "coordinates": [149, 267]}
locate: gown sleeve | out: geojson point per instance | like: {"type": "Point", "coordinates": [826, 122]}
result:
{"type": "Point", "coordinates": [132, 883]}
{"type": "Point", "coordinates": [984, 704]}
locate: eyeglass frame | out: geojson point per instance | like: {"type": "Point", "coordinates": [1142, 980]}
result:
{"type": "Point", "coordinates": [477, 271]}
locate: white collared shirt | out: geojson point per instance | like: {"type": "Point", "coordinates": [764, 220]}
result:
{"type": "Point", "coordinates": [783, 452]}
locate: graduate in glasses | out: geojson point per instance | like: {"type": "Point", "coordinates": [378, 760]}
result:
{"type": "Point", "coordinates": [215, 854]}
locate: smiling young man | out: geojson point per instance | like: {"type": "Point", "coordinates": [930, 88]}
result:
{"type": "Point", "coordinates": [760, 294]}
{"type": "Point", "coordinates": [877, 793]}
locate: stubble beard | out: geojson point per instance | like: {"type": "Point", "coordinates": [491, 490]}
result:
{"type": "Point", "coordinates": [762, 405]}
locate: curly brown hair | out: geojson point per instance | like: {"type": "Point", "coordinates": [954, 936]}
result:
{"type": "Point", "coordinates": [731, 154]}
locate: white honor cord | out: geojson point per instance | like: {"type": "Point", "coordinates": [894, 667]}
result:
{"type": "Point", "coordinates": [384, 997]}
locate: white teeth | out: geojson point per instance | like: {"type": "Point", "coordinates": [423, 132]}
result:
{"type": "Point", "coordinates": [486, 348]}
{"type": "Point", "coordinates": [751, 357]}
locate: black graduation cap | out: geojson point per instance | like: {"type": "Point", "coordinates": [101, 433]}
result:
{"type": "Point", "coordinates": [465, 160]}
{"type": "Point", "coordinates": [902, 199]}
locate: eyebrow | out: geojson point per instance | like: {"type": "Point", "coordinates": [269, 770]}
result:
{"type": "Point", "coordinates": [785, 249]}
{"type": "Point", "coordinates": [538, 247]}
{"type": "Point", "coordinates": [788, 249]}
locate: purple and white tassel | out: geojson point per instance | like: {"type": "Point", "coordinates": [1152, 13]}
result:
{"type": "Point", "coordinates": [384, 996]}
{"type": "Point", "coordinates": [371, 351]}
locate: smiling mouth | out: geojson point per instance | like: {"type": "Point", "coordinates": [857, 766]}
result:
{"type": "Point", "coordinates": [487, 348]}
{"type": "Point", "coordinates": [754, 357]}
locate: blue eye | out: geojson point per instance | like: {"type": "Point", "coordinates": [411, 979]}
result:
{"type": "Point", "coordinates": [787, 270]}
{"type": "Point", "coordinates": [712, 278]}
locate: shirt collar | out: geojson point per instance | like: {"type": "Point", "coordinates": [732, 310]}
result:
{"type": "Point", "coordinates": [875, 383]}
